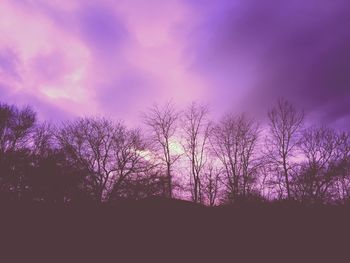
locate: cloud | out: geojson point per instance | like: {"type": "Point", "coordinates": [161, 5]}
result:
{"type": "Point", "coordinates": [45, 110]}
{"type": "Point", "coordinates": [101, 28]}
{"type": "Point", "coordinates": [116, 58]}
{"type": "Point", "coordinates": [100, 57]}
{"type": "Point", "coordinates": [257, 51]}
{"type": "Point", "coordinates": [50, 67]}
{"type": "Point", "coordinates": [127, 95]}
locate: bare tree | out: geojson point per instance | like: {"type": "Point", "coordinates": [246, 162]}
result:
{"type": "Point", "coordinates": [265, 182]}
{"type": "Point", "coordinates": [107, 150]}
{"type": "Point", "coordinates": [211, 183]}
{"type": "Point", "coordinates": [128, 154]}
{"type": "Point", "coordinates": [43, 139]}
{"type": "Point", "coordinates": [324, 152]}
{"type": "Point", "coordinates": [234, 143]}
{"type": "Point", "coordinates": [196, 128]}
{"type": "Point", "coordinates": [285, 123]}
{"type": "Point", "coordinates": [162, 122]}
{"type": "Point", "coordinates": [342, 185]}
{"type": "Point", "coordinates": [16, 127]}
{"type": "Point", "coordinates": [249, 134]}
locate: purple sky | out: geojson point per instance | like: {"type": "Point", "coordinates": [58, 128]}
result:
{"type": "Point", "coordinates": [115, 58]}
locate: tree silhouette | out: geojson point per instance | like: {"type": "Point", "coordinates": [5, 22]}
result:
{"type": "Point", "coordinates": [108, 151]}
{"type": "Point", "coordinates": [211, 183]}
{"type": "Point", "coordinates": [324, 151]}
{"type": "Point", "coordinates": [285, 123]}
{"type": "Point", "coordinates": [196, 128]}
{"type": "Point", "coordinates": [97, 159]}
{"type": "Point", "coordinates": [16, 127]}
{"type": "Point", "coordinates": [234, 143]}
{"type": "Point", "coordinates": [162, 122]}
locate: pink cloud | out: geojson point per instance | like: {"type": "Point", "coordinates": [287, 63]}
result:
{"type": "Point", "coordinates": [87, 57]}
{"type": "Point", "coordinates": [116, 58]}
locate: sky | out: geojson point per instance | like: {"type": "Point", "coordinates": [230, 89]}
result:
{"type": "Point", "coordinates": [115, 58]}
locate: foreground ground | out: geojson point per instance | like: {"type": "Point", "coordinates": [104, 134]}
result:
{"type": "Point", "coordinates": [174, 231]}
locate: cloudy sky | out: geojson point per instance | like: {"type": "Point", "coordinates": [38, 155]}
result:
{"type": "Point", "coordinates": [116, 57]}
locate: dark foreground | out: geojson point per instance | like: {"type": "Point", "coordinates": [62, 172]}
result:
{"type": "Point", "coordinates": [174, 231]}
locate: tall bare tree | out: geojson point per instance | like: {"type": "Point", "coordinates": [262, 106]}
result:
{"type": "Point", "coordinates": [285, 123]}
{"type": "Point", "coordinates": [234, 142]}
{"type": "Point", "coordinates": [162, 122]}
{"type": "Point", "coordinates": [196, 128]}
{"type": "Point", "coordinates": [250, 161]}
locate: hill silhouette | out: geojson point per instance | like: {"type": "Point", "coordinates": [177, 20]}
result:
{"type": "Point", "coordinates": [164, 230]}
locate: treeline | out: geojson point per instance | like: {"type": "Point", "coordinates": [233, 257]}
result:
{"type": "Point", "coordinates": [177, 154]}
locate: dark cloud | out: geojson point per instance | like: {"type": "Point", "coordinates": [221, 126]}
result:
{"type": "Point", "coordinates": [101, 28]}
{"type": "Point", "coordinates": [296, 49]}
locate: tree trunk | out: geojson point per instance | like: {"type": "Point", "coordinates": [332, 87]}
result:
{"type": "Point", "coordinates": [170, 187]}
{"type": "Point", "coordinates": [286, 179]}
